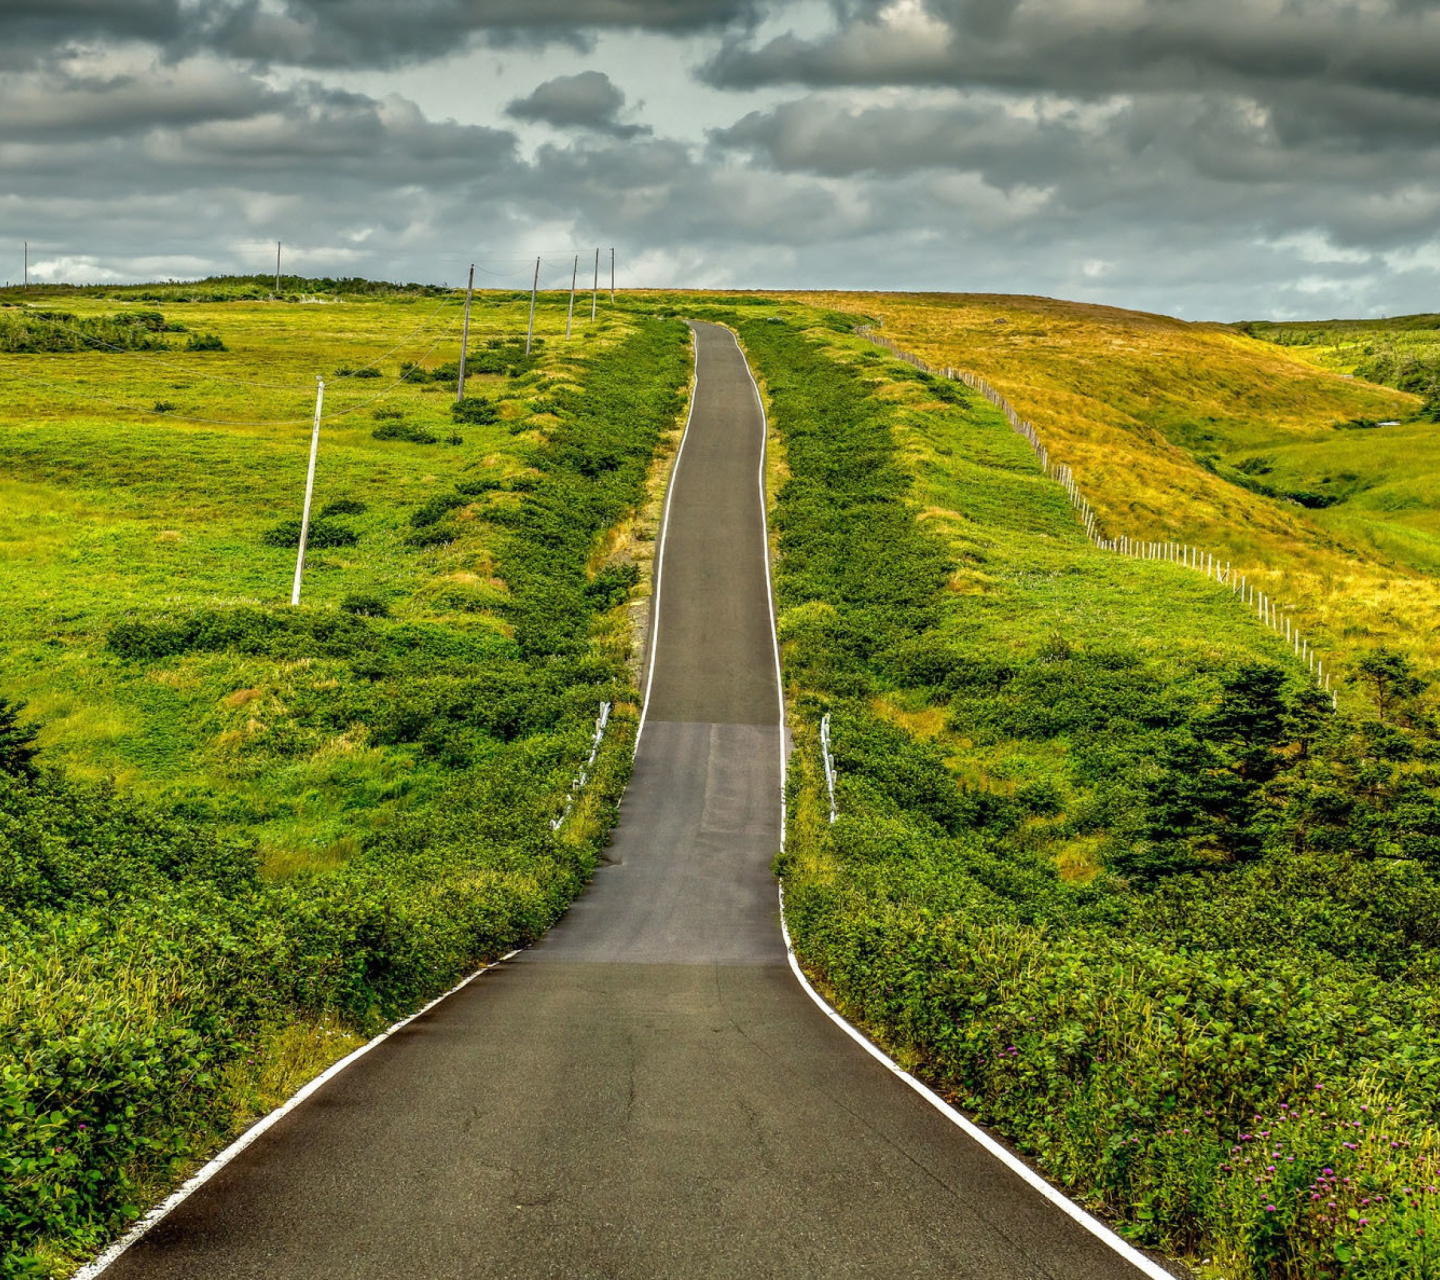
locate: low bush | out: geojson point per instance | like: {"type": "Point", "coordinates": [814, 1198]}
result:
{"type": "Point", "coordinates": [365, 606]}
{"type": "Point", "coordinates": [322, 534]}
{"type": "Point", "coordinates": [1222, 1033]}
{"type": "Point", "coordinates": [475, 410]}
{"type": "Point", "coordinates": [435, 509]}
{"type": "Point", "coordinates": [394, 429]}
{"type": "Point", "coordinates": [342, 507]}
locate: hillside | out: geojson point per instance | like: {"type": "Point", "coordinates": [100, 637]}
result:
{"type": "Point", "coordinates": [1102, 865]}
{"type": "Point", "coordinates": [255, 833]}
{"type": "Point", "coordinates": [1204, 435]}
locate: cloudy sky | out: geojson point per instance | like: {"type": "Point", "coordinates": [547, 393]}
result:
{"type": "Point", "coordinates": [1207, 158]}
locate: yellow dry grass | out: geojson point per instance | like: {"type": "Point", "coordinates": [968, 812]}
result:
{"type": "Point", "coordinates": [1111, 392]}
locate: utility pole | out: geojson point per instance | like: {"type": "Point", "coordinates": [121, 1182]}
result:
{"type": "Point", "coordinates": [277, 268]}
{"type": "Point", "coordinates": [465, 338]}
{"type": "Point", "coordinates": [612, 276]}
{"type": "Point", "coordinates": [530, 332]}
{"type": "Point", "coordinates": [27, 264]}
{"type": "Point", "coordinates": [570, 315]}
{"type": "Point", "coordinates": [309, 491]}
{"type": "Point", "coordinates": [595, 290]}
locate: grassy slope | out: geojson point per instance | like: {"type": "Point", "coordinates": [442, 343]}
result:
{"type": "Point", "coordinates": [1128, 1036]}
{"type": "Point", "coordinates": [157, 989]}
{"type": "Point", "coordinates": [1134, 401]}
{"type": "Point", "coordinates": [109, 510]}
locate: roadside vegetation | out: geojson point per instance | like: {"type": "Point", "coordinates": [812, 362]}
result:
{"type": "Point", "coordinates": [236, 838]}
{"type": "Point", "coordinates": [1106, 870]}
{"type": "Point", "coordinates": [1205, 435]}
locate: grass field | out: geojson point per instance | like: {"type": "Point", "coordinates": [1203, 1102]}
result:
{"type": "Point", "coordinates": [112, 509]}
{"type": "Point", "coordinates": [1205, 435]}
{"type": "Point", "coordinates": [256, 833]}
{"type": "Point", "coordinates": [1106, 870]}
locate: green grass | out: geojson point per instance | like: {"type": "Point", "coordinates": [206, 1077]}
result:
{"type": "Point", "coordinates": [110, 510]}
{"type": "Point", "coordinates": [264, 831]}
{"type": "Point", "coordinates": [1107, 871]}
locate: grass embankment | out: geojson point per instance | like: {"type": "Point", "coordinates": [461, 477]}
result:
{"type": "Point", "coordinates": [329, 813]}
{"type": "Point", "coordinates": [1204, 435]}
{"type": "Point", "coordinates": [1106, 869]}
{"type": "Point", "coordinates": [108, 510]}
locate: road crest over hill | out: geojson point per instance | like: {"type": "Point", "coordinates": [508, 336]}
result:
{"type": "Point", "coordinates": [647, 1093]}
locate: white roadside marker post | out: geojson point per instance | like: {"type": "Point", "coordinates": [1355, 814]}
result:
{"type": "Point", "coordinates": [309, 491]}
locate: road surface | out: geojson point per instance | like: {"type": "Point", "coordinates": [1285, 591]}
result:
{"type": "Point", "coordinates": [647, 1094]}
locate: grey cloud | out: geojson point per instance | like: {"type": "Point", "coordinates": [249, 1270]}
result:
{"type": "Point", "coordinates": [586, 101]}
{"type": "Point", "coordinates": [342, 33]}
{"type": "Point", "coordinates": [1067, 46]}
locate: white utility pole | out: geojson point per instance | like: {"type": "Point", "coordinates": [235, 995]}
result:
{"type": "Point", "coordinates": [27, 264]}
{"type": "Point", "coordinates": [309, 491]}
{"type": "Point", "coordinates": [465, 338]}
{"type": "Point", "coordinates": [570, 315]}
{"type": "Point", "coordinates": [612, 276]}
{"type": "Point", "coordinates": [277, 268]}
{"type": "Point", "coordinates": [595, 290]}
{"type": "Point", "coordinates": [530, 332]}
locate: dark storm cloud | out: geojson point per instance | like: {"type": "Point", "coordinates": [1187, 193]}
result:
{"type": "Point", "coordinates": [1083, 48]}
{"type": "Point", "coordinates": [586, 101]}
{"type": "Point", "coordinates": [1211, 157]}
{"type": "Point", "coordinates": [341, 33]}
{"type": "Point", "coordinates": [35, 29]}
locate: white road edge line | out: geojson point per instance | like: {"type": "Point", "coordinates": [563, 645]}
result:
{"type": "Point", "coordinates": [197, 1180]}
{"type": "Point", "coordinates": [769, 589]}
{"type": "Point", "coordinates": [91, 1270]}
{"type": "Point", "coordinates": [1146, 1266]}
{"type": "Point", "coordinates": [660, 549]}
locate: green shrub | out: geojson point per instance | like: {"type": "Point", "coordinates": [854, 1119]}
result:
{"type": "Point", "coordinates": [475, 410]}
{"type": "Point", "coordinates": [365, 606]}
{"type": "Point", "coordinates": [435, 509]}
{"type": "Point", "coordinates": [321, 535]}
{"type": "Point", "coordinates": [392, 429]}
{"type": "Point", "coordinates": [17, 741]}
{"type": "Point", "coordinates": [342, 507]}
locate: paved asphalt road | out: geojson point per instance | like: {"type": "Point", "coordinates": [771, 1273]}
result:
{"type": "Point", "coordinates": [648, 1093]}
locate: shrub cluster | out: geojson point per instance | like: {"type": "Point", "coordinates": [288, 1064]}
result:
{"type": "Point", "coordinates": [1225, 1037]}
{"type": "Point", "coordinates": [30, 330]}
{"type": "Point", "coordinates": [143, 958]}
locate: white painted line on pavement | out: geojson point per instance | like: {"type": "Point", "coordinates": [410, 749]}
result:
{"type": "Point", "coordinates": [1093, 1225]}
{"type": "Point", "coordinates": [660, 549]}
{"type": "Point", "coordinates": [1146, 1266]}
{"type": "Point", "coordinates": [769, 590]}
{"type": "Point", "coordinates": [197, 1180]}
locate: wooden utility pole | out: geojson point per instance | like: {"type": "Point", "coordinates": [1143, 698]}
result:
{"type": "Point", "coordinates": [612, 276]}
{"type": "Point", "coordinates": [309, 491]}
{"type": "Point", "coordinates": [595, 291]}
{"type": "Point", "coordinates": [277, 268]}
{"type": "Point", "coordinates": [530, 332]}
{"type": "Point", "coordinates": [465, 338]}
{"type": "Point", "coordinates": [570, 314]}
